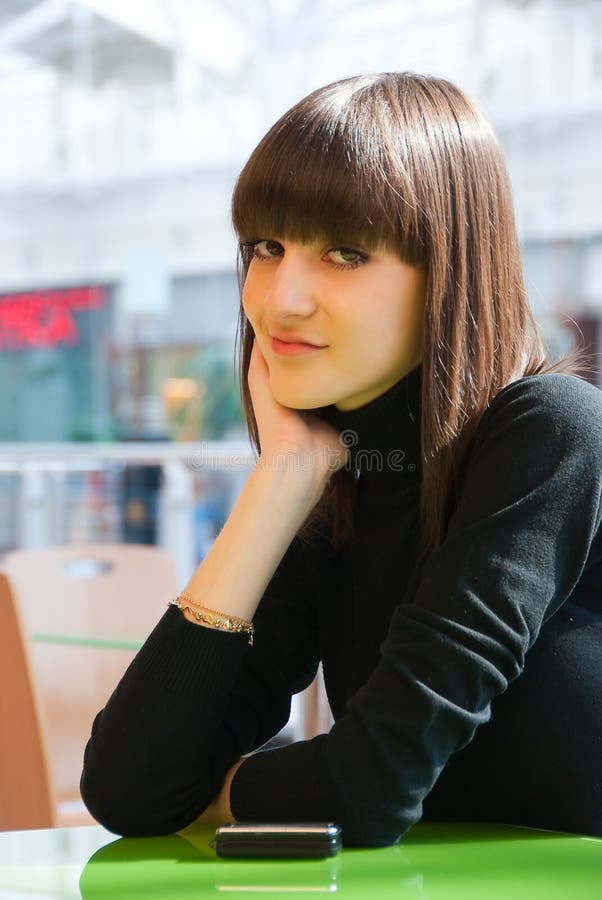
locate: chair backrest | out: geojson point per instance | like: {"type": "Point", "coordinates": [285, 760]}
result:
{"type": "Point", "coordinates": [84, 607]}
{"type": "Point", "coordinates": [105, 590]}
{"type": "Point", "coordinates": [26, 794]}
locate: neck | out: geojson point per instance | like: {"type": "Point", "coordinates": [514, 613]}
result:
{"type": "Point", "coordinates": [383, 435]}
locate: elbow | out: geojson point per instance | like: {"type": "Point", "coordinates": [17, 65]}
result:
{"type": "Point", "coordinates": [370, 828]}
{"type": "Point", "coordinates": [130, 810]}
{"type": "Point", "coordinates": [109, 798]}
{"type": "Point", "coordinates": [113, 809]}
{"type": "Point", "coordinates": [377, 824]}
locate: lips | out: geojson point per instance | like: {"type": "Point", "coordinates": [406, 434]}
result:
{"type": "Point", "coordinates": [293, 348]}
{"type": "Point", "coordinates": [294, 339]}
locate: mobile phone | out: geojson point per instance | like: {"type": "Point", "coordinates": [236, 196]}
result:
{"type": "Point", "coordinates": [278, 840]}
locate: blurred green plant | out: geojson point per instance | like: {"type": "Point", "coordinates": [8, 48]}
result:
{"type": "Point", "coordinates": [212, 367]}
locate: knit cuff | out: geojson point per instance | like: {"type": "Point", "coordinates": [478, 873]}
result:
{"type": "Point", "coordinates": [189, 658]}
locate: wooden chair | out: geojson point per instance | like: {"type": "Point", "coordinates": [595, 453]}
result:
{"type": "Point", "coordinates": [26, 792]}
{"type": "Point", "coordinates": [85, 609]}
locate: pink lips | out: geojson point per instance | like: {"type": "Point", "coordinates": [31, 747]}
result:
{"type": "Point", "coordinates": [283, 348]}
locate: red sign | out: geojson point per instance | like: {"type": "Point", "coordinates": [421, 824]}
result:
{"type": "Point", "coordinates": [45, 318]}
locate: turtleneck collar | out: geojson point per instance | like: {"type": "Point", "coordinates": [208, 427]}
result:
{"type": "Point", "coordinates": [383, 436]}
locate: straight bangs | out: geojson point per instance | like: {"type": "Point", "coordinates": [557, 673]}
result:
{"type": "Point", "coordinates": [327, 178]}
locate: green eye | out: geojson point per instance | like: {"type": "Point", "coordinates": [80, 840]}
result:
{"type": "Point", "coordinates": [350, 258]}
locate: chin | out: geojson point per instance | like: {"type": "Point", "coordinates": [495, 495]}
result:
{"type": "Point", "coordinates": [300, 401]}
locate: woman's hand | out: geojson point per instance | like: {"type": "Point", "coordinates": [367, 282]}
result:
{"type": "Point", "coordinates": [293, 438]}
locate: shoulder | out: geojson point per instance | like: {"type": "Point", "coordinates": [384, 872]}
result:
{"type": "Point", "coordinates": [537, 451]}
{"type": "Point", "coordinates": [555, 390]}
{"type": "Point", "coordinates": [554, 406]}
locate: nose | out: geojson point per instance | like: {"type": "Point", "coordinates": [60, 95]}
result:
{"type": "Point", "coordinates": [290, 291]}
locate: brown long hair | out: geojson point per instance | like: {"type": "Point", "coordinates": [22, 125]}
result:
{"type": "Point", "coordinates": [405, 162]}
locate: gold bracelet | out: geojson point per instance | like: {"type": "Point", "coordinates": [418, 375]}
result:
{"type": "Point", "coordinates": [221, 621]}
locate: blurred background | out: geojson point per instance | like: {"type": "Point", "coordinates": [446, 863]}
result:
{"type": "Point", "coordinates": [124, 127]}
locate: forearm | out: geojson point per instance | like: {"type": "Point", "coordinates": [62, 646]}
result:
{"type": "Point", "coordinates": [155, 759]}
{"type": "Point", "coordinates": [155, 740]}
{"type": "Point", "coordinates": [234, 574]}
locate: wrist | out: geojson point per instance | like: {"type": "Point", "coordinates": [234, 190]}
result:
{"type": "Point", "coordinates": [296, 483]}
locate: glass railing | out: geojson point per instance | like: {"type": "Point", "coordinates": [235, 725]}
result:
{"type": "Point", "coordinates": [176, 495]}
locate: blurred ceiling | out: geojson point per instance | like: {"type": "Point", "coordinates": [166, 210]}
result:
{"type": "Point", "coordinates": [136, 41]}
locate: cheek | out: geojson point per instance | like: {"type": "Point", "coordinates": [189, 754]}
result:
{"type": "Point", "coordinates": [392, 323]}
{"type": "Point", "coordinates": [247, 301]}
{"type": "Point", "coordinates": [252, 296]}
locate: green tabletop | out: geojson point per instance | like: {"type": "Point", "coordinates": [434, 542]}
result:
{"type": "Point", "coordinates": [434, 861]}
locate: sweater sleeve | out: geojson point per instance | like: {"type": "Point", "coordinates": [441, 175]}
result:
{"type": "Point", "coordinates": [515, 548]}
{"type": "Point", "coordinates": [192, 702]}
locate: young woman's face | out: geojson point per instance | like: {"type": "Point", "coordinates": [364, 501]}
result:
{"type": "Point", "coordinates": [363, 310]}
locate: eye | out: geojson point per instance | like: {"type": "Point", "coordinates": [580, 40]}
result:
{"type": "Point", "coordinates": [268, 249]}
{"type": "Point", "coordinates": [263, 249]}
{"type": "Point", "coordinates": [357, 258]}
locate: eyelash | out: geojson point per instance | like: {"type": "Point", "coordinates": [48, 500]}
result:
{"type": "Point", "coordinates": [362, 258]}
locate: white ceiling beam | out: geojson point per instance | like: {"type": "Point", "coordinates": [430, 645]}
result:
{"type": "Point", "coordinates": [146, 20]}
{"type": "Point", "coordinates": [29, 25]}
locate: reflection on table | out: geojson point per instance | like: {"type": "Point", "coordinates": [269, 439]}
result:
{"type": "Point", "coordinates": [434, 861]}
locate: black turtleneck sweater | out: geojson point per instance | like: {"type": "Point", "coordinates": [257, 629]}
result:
{"type": "Point", "coordinates": [466, 688]}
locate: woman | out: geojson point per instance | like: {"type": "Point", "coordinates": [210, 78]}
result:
{"type": "Point", "coordinates": [423, 517]}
